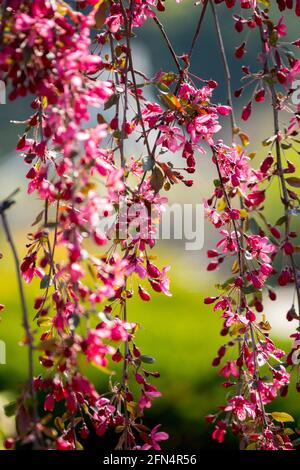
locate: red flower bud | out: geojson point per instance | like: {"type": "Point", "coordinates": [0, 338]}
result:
{"type": "Point", "coordinates": [258, 306]}
{"type": "Point", "coordinates": [49, 403]}
{"type": "Point", "coordinates": [191, 162]}
{"type": "Point", "coordinates": [9, 443]}
{"type": "Point", "coordinates": [247, 111]}
{"type": "Point", "coordinates": [21, 143]}
{"type": "Point", "coordinates": [144, 295]}
{"type": "Point", "coordinates": [238, 92]}
{"type": "Point", "coordinates": [212, 84]}
{"type": "Point", "coordinates": [160, 6]}
{"type": "Point", "coordinates": [99, 238]}
{"type": "Point", "coordinates": [272, 294]}
{"type": "Point", "coordinates": [139, 378]}
{"type": "Point", "coordinates": [260, 96]}
{"type": "Point", "coordinates": [210, 418]}
{"type": "Point", "coordinates": [239, 282]}
{"type": "Point", "coordinates": [266, 164]}
{"type": "Point", "coordinates": [212, 266]}
{"type": "Point", "coordinates": [84, 432]}
{"type": "Point", "coordinates": [222, 351]}
{"type": "Point", "coordinates": [210, 300]}
{"type": "Point", "coordinates": [284, 278]}
{"type": "Point", "coordinates": [38, 302]}
{"type": "Point", "coordinates": [284, 391]}
{"type": "Point", "coordinates": [240, 51]}
{"type": "Point", "coordinates": [281, 77]}
{"type": "Point", "coordinates": [216, 362]}
{"type": "Point", "coordinates": [275, 232]}
{"type": "Point", "coordinates": [212, 253]}
{"type": "Point", "coordinates": [114, 123]}
{"type": "Point", "coordinates": [136, 351]}
{"type": "Point", "coordinates": [250, 315]}
{"type": "Point", "coordinates": [117, 356]}
{"type": "Point", "coordinates": [71, 402]}
{"type": "Point", "coordinates": [152, 270]}
{"type": "Point", "coordinates": [288, 248]}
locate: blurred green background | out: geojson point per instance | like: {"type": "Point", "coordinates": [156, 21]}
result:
{"type": "Point", "coordinates": [180, 332]}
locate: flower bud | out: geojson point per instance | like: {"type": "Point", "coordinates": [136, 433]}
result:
{"type": "Point", "coordinates": [144, 295]}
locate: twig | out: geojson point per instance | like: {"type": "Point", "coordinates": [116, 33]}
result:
{"type": "Point", "coordinates": [131, 69]}
{"type": "Point", "coordinates": [198, 28]}
{"type": "Point", "coordinates": [5, 205]}
{"type": "Point", "coordinates": [226, 67]}
{"type": "Point", "coordinates": [169, 45]}
{"type": "Point", "coordinates": [182, 72]}
{"type": "Point", "coordinates": [285, 195]}
{"type": "Point", "coordinates": [228, 203]}
{"type": "Point", "coordinates": [256, 375]}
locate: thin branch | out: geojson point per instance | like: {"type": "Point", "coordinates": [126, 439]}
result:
{"type": "Point", "coordinates": [227, 199]}
{"type": "Point", "coordinates": [182, 72]}
{"type": "Point", "coordinates": [4, 206]}
{"type": "Point", "coordinates": [256, 375]}
{"type": "Point", "coordinates": [169, 45]}
{"type": "Point", "coordinates": [198, 29]}
{"type": "Point", "coordinates": [232, 114]}
{"type": "Point", "coordinates": [280, 171]}
{"type": "Point", "coordinates": [131, 69]}
{"type": "Point", "coordinates": [226, 67]}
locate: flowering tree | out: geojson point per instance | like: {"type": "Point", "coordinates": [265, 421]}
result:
{"type": "Point", "coordinates": [72, 58]}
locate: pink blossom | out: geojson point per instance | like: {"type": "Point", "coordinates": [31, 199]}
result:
{"type": "Point", "coordinates": [219, 432]}
{"type": "Point", "coordinates": [154, 438]}
{"type": "Point", "coordinates": [229, 369]}
{"type": "Point", "coordinates": [280, 28]}
{"type": "Point", "coordinates": [260, 247]}
{"type": "Point", "coordinates": [171, 137]}
{"type": "Point", "coordinates": [240, 407]}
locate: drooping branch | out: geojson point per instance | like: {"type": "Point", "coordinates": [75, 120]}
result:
{"type": "Point", "coordinates": [280, 170]}
{"type": "Point", "coordinates": [226, 69]}
{"type": "Point", "coordinates": [4, 206]}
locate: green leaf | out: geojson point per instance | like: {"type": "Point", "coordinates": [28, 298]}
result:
{"type": "Point", "coordinates": [38, 218]}
{"type": "Point", "coordinates": [273, 38]}
{"type": "Point", "coordinates": [171, 101]}
{"type": "Point", "coordinates": [223, 287]}
{"type": "Point", "coordinates": [269, 141]}
{"type": "Point", "coordinates": [168, 77]}
{"type": "Point", "coordinates": [45, 282]}
{"type": "Point", "coordinates": [147, 359]}
{"type": "Point", "coordinates": [252, 446]}
{"type": "Point", "coordinates": [266, 3]}
{"type": "Point", "coordinates": [148, 163]}
{"type": "Point", "coordinates": [281, 220]}
{"type": "Point", "coordinates": [113, 100]}
{"type": "Point", "coordinates": [10, 409]}
{"type": "Point", "coordinates": [282, 417]}
{"type": "Point", "coordinates": [74, 320]}
{"type": "Point", "coordinates": [285, 145]}
{"type": "Point", "coordinates": [249, 290]}
{"type": "Point", "coordinates": [254, 227]}
{"type": "Point", "coordinates": [293, 181]}
{"type": "Point", "coordinates": [157, 179]}
{"type": "Point", "coordinates": [162, 87]}
{"type": "Point", "coordinates": [45, 322]}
